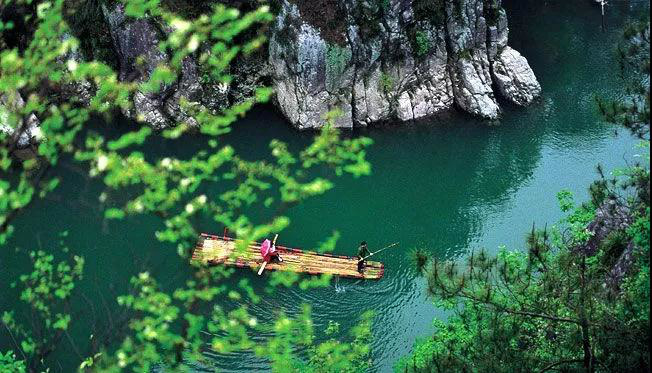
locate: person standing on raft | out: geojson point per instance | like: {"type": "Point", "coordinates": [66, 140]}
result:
{"type": "Point", "coordinates": [363, 252]}
{"type": "Point", "coordinates": [269, 253]}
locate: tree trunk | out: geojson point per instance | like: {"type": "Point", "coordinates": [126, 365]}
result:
{"type": "Point", "coordinates": [584, 323]}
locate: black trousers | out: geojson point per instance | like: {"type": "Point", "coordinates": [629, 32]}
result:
{"type": "Point", "coordinates": [361, 265]}
{"type": "Point", "coordinates": [274, 258]}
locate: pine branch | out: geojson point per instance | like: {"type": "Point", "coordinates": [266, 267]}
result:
{"type": "Point", "coordinates": [553, 365]}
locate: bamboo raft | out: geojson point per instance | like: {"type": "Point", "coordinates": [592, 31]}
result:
{"type": "Point", "coordinates": [213, 250]}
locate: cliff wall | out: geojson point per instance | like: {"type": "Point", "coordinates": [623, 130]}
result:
{"type": "Point", "coordinates": [388, 60]}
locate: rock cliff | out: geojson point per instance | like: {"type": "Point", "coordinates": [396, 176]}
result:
{"type": "Point", "coordinates": [382, 60]}
{"type": "Point", "coordinates": [24, 130]}
{"type": "Point", "coordinates": [136, 43]}
{"type": "Point", "coordinates": [374, 60]}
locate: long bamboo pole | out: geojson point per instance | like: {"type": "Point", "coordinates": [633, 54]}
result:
{"type": "Point", "coordinates": [376, 252]}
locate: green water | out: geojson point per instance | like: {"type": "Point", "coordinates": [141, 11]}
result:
{"type": "Point", "coordinates": [447, 185]}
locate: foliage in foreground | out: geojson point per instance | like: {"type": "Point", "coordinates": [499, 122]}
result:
{"type": "Point", "coordinates": [549, 308]}
{"type": "Point", "coordinates": [159, 328]}
{"type": "Point", "coordinates": [578, 299]}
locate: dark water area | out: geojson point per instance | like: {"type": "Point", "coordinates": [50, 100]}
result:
{"type": "Point", "coordinates": [447, 185]}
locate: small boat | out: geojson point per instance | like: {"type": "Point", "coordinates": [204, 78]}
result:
{"type": "Point", "coordinates": [213, 250]}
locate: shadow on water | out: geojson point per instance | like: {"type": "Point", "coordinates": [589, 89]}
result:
{"type": "Point", "coordinates": [445, 185]}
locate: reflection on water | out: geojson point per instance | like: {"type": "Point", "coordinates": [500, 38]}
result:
{"type": "Point", "coordinates": [447, 185]}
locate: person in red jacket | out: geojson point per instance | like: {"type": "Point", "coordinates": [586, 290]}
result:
{"type": "Point", "coordinates": [269, 253]}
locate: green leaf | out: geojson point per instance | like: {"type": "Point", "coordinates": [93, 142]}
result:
{"type": "Point", "coordinates": [61, 322]}
{"type": "Point", "coordinates": [130, 138]}
{"type": "Point", "coordinates": [114, 213]}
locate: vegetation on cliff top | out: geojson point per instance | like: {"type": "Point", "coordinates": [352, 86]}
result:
{"type": "Point", "coordinates": [326, 17]}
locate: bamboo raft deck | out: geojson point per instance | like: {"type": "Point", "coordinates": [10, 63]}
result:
{"type": "Point", "coordinates": [213, 250]}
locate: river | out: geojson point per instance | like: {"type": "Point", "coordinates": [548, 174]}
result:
{"type": "Point", "coordinates": [447, 185]}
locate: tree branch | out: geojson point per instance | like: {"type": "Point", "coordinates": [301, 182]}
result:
{"type": "Point", "coordinates": [551, 366]}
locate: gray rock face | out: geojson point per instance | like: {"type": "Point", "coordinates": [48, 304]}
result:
{"type": "Point", "coordinates": [469, 65]}
{"type": "Point", "coordinates": [80, 91]}
{"type": "Point", "coordinates": [612, 216]}
{"type": "Point", "coordinates": [609, 217]}
{"type": "Point", "coordinates": [136, 42]}
{"type": "Point", "coordinates": [394, 60]}
{"type": "Point", "coordinates": [514, 78]}
{"type": "Point", "coordinates": [300, 71]}
{"type": "Point", "coordinates": [373, 61]}
{"type": "Point", "coordinates": [25, 131]}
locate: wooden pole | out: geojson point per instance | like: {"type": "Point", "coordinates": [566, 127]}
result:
{"type": "Point", "coordinates": [376, 252]}
{"type": "Point", "coordinates": [602, 4]}
{"type": "Point", "coordinates": [274, 246]}
{"type": "Point", "coordinates": [262, 268]}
